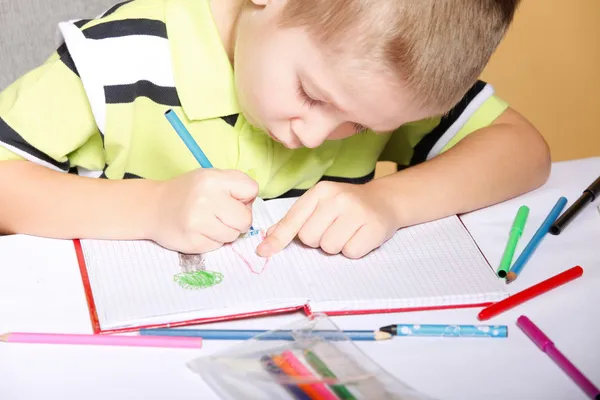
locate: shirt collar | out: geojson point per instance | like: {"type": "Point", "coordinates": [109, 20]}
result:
{"type": "Point", "coordinates": [203, 73]}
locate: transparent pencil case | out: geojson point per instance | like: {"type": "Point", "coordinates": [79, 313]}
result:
{"type": "Point", "coordinates": [310, 359]}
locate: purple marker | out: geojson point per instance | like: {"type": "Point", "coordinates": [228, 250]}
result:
{"type": "Point", "coordinates": [547, 346]}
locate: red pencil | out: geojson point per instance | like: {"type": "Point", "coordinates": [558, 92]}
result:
{"type": "Point", "coordinates": [529, 293]}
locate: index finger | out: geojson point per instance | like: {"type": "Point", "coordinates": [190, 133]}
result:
{"type": "Point", "coordinates": [289, 226]}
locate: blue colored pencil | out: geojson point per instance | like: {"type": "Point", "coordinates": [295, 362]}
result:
{"type": "Point", "coordinates": [189, 141]}
{"type": "Point", "coordinates": [245, 334]}
{"type": "Point", "coordinates": [441, 330]}
{"type": "Point", "coordinates": [187, 138]}
{"type": "Point", "coordinates": [278, 374]}
{"type": "Point", "coordinates": [536, 240]}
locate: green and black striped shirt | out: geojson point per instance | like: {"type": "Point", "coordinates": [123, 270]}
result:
{"type": "Point", "coordinates": [96, 108]}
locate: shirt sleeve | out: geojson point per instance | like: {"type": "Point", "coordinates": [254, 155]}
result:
{"type": "Point", "coordinates": [45, 117]}
{"type": "Point", "coordinates": [420, 141]}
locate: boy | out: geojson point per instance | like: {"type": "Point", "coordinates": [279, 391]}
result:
{"type": "Point", "coordinates": [282, 96]}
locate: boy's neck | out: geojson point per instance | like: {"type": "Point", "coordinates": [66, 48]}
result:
{"type": "Point", "coordinates": [225, 14]}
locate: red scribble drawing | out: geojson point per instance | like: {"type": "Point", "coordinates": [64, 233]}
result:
{"type": "Point", "coordinates": [245, 249]}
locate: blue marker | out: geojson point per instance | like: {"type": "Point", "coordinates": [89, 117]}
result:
{"type": "Point", "coordinates": [535, 240]}
{"type": "Point", "coordinates": [189, 141]}
{"type": "Point", "coordinates": [492, 331]}
{"type": "Point", "coordinates": [187, 138]}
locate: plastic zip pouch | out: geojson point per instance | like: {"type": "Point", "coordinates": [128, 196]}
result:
{"type": "Point", "coordinates": [310, 359]}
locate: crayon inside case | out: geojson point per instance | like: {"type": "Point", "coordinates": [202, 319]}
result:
{"type": "Point", "coordinates": [310, 359]}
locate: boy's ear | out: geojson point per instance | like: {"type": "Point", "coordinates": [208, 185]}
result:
{"type": "Point", "coordinates": [261, 2]}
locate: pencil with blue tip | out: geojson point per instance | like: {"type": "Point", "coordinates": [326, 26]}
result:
{"type": "Point", "coordinates": [189, 141]}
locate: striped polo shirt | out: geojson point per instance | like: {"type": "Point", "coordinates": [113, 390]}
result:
{"type": "Point", "coordinates": [96, 108]}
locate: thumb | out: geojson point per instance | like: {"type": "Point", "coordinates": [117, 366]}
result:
{"type": "Point", "coordinates": [241, 187]}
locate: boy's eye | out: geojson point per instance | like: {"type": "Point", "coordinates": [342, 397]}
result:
{"type": "Point", "coordinates": [308, 101]}
{"type": "Point", "coordinates": [358, 127]}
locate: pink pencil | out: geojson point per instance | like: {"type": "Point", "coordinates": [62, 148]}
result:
{"type": "Point", "coordinates": [102, 340]}
{"type": "Point", "coordinates": [297, 365]}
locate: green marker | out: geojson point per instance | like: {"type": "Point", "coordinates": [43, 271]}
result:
{"type": "Point", "coordinates": [325, 372]}
{"type": "Point", "coordinates": [515, 233]}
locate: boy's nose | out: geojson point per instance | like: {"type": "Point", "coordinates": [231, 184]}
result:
{"type": "Point", "coordinates": [312, 139]}
{"type": "Point", "coordinates": [313, 133]}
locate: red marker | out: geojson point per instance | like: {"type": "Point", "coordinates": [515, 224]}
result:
{"type": "Point", "coordinates": [529, 293]}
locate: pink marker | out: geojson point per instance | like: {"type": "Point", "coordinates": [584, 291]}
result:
{"type": "Point", "coordinates": [102, 340]}
{"type": "Point", "coordinates": [547, 346]}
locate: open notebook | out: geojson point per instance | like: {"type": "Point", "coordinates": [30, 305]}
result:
{"type": "Point", "coordinates": [133, 284]}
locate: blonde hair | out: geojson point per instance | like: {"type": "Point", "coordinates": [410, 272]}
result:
{"type": "Point", "coordinates": [437, 48]}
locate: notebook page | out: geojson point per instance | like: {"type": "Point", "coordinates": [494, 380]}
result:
{"type": "Point", "coordinates": [134, 282]}
{"type": "Point", "coordinates": [432, 264]}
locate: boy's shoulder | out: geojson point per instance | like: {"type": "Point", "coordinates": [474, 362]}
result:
{"type": "Point", "coordinates": [182, 20]}
{"type": "Point", "coordinates": [131, 10]}
{"type": "Point", "coordinates": [141, 48]}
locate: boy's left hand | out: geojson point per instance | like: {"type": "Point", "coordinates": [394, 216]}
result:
{"type": "Point", "coordinates": [337, 217]}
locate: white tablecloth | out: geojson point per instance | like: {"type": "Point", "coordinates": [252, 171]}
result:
{"type": "Point", "coordinates": [40, 290]}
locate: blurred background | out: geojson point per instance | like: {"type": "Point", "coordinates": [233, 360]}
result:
{"type": "Point", "coordinates": [548, 69]}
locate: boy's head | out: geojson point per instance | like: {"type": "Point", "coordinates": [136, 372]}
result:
{"type": "Point", "coordinates": [312, 70]}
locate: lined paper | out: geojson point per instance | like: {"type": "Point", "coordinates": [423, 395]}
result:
{"type": "Point", "coordinates": [433, 264]}
{"type": "Point", "coordinates": [133, 283]}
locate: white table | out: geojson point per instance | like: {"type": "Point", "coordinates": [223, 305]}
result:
{"type": "Point", "coordinates": [40, 290]}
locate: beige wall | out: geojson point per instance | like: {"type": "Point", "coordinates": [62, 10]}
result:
{"type": "Point", "coordinates": [548, 68]}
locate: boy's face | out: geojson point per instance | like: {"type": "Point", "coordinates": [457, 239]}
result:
{"type": "Point", "coordinates": [288, 88]}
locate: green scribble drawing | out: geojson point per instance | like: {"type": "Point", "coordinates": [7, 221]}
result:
{"type": "Point", "coordinates": [198, 279]}
{"type": "Point", "coordinates": [193, 273]}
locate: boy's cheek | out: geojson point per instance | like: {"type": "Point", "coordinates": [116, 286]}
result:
{"type": "Point", "coordinates": [249, 102]}
{"type": "Point", "coordinates": [341, 132]}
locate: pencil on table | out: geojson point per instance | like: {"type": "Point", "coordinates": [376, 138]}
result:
{"type": "Point", "coordinates": [101, 340]}
{"type": "Point", "coordinates": [245, 334]}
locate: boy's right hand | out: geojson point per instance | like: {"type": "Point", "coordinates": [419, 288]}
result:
{"type": "Point", "coordinates": [201, 210]}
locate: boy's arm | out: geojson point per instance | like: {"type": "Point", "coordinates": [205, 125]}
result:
{"type": "Point", "coordinates": [45, 119]}
{"type": "Point", "coordinates": [493, 164]}
{"type": "Point", "coordinates": [47, 130]}
{"type": "Point", "coordinates": [39, 201]}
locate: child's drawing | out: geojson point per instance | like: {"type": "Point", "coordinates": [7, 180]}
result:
{"type": "Point", "coordinates": [193, 273]}
{"type": "Point", "coordinates": [191, 262]}
{"type": "Point", "coordinates": [245, 249]}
